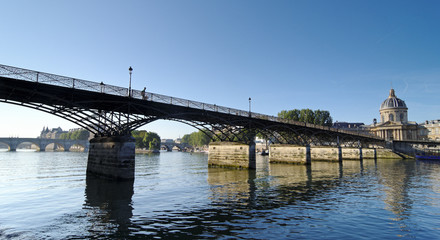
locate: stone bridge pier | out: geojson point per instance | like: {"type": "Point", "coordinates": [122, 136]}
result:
{"type": "Point", "coordinates": [112, 157]}
{"type": "Point", "coordinates": [232, 154]}
{"type": "Point", "coordinates": [13, 145]}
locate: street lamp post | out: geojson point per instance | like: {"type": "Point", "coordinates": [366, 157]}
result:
{"type": "Point", "coordinates": [130, 70]}
{"type": "Point", "coordinates": [250, 106]}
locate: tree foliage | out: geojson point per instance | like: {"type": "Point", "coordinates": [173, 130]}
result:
{"type": "Point", "coordinates": [196, 139]}
{"type": "Point", "coordinates": [144, 139]}
{"type": "Point", "coordinates": [80, 134]}
{"type": "Point", "coordinates": [318, 117]}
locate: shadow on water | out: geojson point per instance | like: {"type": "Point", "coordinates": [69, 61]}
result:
{"type": "Point", "coordinates": [241, 197]}
{"type": "Point", "coordinates": [110, 206]}
{"type": "Point", "coordinates": [243, 202]}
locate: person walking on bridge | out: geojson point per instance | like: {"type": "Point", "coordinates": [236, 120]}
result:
{"type": "Point", "coordinates": [143, 94]}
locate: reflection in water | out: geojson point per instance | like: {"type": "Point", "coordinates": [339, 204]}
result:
{"type": "Point", "coordinates": [241, 200]}
{"type": "Point", "coordinates": [176, 196]}
{"type": "Point", "coordinates": [230, 185]}
{"type": "Point", "coordinates": [109, 205]}
{"type": "Point", "coordinates": [397, 180]}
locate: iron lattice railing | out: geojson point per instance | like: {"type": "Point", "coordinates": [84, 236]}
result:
{"type": "Point", "coordinates": [62, 81]}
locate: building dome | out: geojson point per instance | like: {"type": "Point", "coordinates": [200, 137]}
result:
{"type": "Point", "coordinates": [393, 102]}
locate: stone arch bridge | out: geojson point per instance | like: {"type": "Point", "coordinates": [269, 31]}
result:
{"type": "Point", "coordinates": [42, 143]}
{"type": "Point", "coordinates": [170, 145]}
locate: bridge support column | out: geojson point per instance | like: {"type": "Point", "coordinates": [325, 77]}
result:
{"type": "Point", "coordinates": [13, 144]}
{"type": "Point", "coordinates": [232, 154]}
{"type": "Point", "coordinates": [112, 157]}
{"type": "Point", "coordinates": [286, 153]}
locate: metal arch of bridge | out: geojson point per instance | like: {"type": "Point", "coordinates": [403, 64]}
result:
{"type": "Point", "coordinates": [108, 110]}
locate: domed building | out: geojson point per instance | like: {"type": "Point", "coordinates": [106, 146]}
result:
{"type": "Point", "coordinates": [394, 123]}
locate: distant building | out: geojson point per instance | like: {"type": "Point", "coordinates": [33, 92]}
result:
{"type": "Point", "coordinates": [430, 130]}
{"type": "Point", "coordinates": [167, 141]}
{"type": "Point", "coordinates": [354, 127]}
{"type": "Point", "coordinates": [394, 123]}
{"type": "Point", "coordinates": [54, 133]}
{"type": "Point", "coordinates": [347, 125]}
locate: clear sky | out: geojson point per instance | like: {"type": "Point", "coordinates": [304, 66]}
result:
{"type": "Point", "coordinates": [340, 56]}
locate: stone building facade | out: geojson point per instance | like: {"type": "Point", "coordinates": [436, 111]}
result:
{"type": "Point", "coordinates": [430, 130]}
{"type": "Point", "coordinates": [394, 124]}
{"type": "Point", "coordinates": [54, 133]}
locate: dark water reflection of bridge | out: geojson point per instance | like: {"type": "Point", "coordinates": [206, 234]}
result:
{"type": "Point", "coordinates": [246, 195]}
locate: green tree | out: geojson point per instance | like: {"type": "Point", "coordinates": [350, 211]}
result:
{"type": "Point", "coordinates": [318, 117]}
{"type": "Point", "coordinates": [81, 134]}
{"type": "Point", "coordinates": [196, 139]}
{"type": "Point", "coordinates": [152, 140]}
{"type": "Point", "coordinates": [144, 139]}
{"type": "Point", "coordinates": [307, 115]}
{"type": "Point", "coordinates": [64, 136]}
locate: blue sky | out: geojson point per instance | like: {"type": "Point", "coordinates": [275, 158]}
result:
{"type": "Point", "coordinates": [340, 56]}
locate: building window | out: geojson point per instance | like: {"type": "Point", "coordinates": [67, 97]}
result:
{"type": "Point", "coordinates": [401, 117]}
{"type": "Point", "coordinates": [391, 117]}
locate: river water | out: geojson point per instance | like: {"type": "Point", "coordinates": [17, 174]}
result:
{"type": "Point", "coordinates": [46, 195]}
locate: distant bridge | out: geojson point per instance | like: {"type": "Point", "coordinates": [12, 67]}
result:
{"type": "Point", "coordinates": [42, 143]}
{"type": "Point", "coordinates": [170, 145]}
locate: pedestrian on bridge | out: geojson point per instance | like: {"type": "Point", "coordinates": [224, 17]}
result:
{"type": "Point", "coordinates": [144, 97]}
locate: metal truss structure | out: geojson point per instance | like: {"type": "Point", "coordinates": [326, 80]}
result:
{"type": "Point", "coordinates": [107, 110]}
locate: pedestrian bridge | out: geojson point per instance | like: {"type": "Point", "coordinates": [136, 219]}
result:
{"type": "Point", "coordinates": [42, 143]}
{"type": "Point", "coordinates": [111, 113]}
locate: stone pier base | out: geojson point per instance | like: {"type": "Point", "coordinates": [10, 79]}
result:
{"type": "Point", "coordinates": [352, 153]}
{"type": "Point", "coordinates": [285, 153]}
{"type": "Point", "coordinates": [326, 153]}
{"type": "Point", "coordinates": [112, 157]}
{"type": "Point", "coordinates": [369, 153]}
{"type": "Point", "coordinates": [231, 154]}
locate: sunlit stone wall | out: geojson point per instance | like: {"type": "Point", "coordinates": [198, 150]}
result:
{"type": "Point", "coordinates": [285, 153]}
{"type": "Point", "coordinates": [231, 154]}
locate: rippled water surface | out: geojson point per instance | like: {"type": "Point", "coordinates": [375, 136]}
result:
{"type": "Point", "coordinates": [176, 196]}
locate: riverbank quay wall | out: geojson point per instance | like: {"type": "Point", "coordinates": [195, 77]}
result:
{"type": "Point", "coordinates": [295, 154]}
{"type": "Point", "coordinates": [232, 154]}
{"type": "Point", "coordinates": [414, 147]}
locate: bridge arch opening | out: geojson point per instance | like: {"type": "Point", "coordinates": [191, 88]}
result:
{"type": "Point", "coordinates": [77, 148]}
{"type": "Point", "coordinates": [54, 147]}
{"type": "Point", "coordinates": [27, 147]}
{"type": "Point", "coordinates": [4, 147]}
